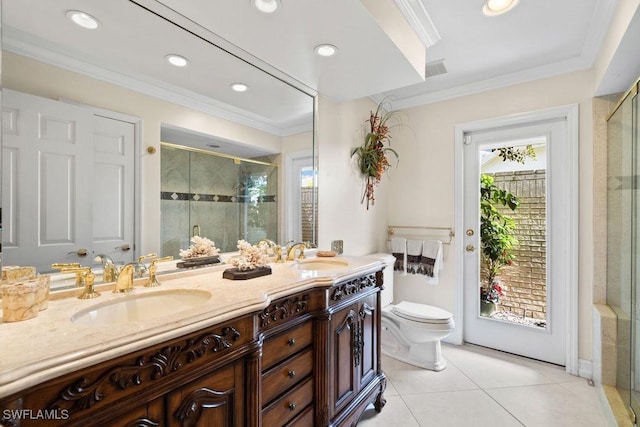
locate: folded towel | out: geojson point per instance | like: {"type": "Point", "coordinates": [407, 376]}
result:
{"type": "Point", "coordinates": [399, 251]}
{"type": "Point", "coordinates": [431, 259]}
{"type": "Point", "coordinates": [414, 252]}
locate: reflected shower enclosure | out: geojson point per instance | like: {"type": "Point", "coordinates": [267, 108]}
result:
{"type": "Point", "coordinates": [219, 197]}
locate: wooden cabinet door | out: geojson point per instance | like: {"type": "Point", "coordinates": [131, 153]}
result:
{"type": "Point", "coordinates": [215, 400]}
{"type": "Point", "coordinates": [366, 341]}
{"type": "Point", "coordinates": [343, 384]}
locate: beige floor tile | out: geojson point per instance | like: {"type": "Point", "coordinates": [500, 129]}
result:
{"type": "Point", "coordinates": [390, 390]}
{"type": "Point", "coordinates": [484, 387]}
{"type": "Point", "coordinates": [491, 369]}
{"type": "Point", "coordinates": [550, 405]}
{"type": "Point", "coordinates": [408, 379]}
{"type": "Point", "coordinates": [458, 408]}
{"type": "Point", "coordinates": [394, 414]}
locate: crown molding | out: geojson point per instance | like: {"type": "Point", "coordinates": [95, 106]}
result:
{"type": "Point", "coordinates": [20, 43]}
{"type": "Point", "coordinates": [570, 65]}
{"type": "Point", "coordinates": [598, 27]}
{"type": "Point", "coordinates": [419, 19]}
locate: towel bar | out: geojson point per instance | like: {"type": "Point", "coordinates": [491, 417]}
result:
{"type": "Point", "coordinates": [391, 231]}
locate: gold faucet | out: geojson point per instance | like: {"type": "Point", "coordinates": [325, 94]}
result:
{"type": "Point", "coordinates": [87, 278]}
{"type": "Point", "coordinates": [70, 267]}
{"type": "Point", "coordinates": [292, 251]}
{"type": "Point", "coordinates": [109, 271]}
{"type": "Point", "coordinates": [125, 279]}
{"type": "Point", "coordinates": [276, 248]}
{"type": "Point", "coordinates": [89, 292]}
{"type": "Point", "coordinates": [153, 269]}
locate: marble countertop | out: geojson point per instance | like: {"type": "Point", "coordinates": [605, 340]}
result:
{"type": "Point", "coordinates": [50, 345]}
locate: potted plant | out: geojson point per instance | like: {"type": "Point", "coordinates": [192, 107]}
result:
{"type": "Point", "coordinates": [372, 154]}
{"type": "Point", "coordinates": [497, 240]}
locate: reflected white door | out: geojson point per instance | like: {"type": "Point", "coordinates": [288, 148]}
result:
{"type": "Point", "coordinates": [546, 343]}
{"type": "Point", "coordinates": [301, 185]}
{"type": "Point", "coordinates": [113, 188]}
{"type": "Point", "coordinates": [47, 174]}
{"type": "Point", "coordinates": [67, 181]}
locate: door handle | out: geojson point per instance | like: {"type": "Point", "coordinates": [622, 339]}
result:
{"type": "Point", "coordinates": [470, 248]}
{"type": "Point", "coordinates": [124, 248]}
{"type": "Point", "coordinates": [80, 252]}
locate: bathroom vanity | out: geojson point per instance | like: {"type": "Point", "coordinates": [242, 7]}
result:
{"type": "Point", "coordinates": [296, 348]}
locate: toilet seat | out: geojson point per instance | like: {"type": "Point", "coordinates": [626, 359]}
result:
{"type": "Point", "coordinates": [421, 313]}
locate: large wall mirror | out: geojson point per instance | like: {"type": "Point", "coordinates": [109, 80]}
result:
{"type": "Point", "coordinates": [110, 149]}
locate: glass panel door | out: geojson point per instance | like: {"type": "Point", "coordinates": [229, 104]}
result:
{"type": "Point", "coordinates": [634, 381]}
{"type": "Point", "coordinates": [619, 237]}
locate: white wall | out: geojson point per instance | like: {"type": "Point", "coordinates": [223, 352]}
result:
{"type": "Point", "coordinates": [340, 128]}
{"type": "Point", "coordinates": [422, 188]}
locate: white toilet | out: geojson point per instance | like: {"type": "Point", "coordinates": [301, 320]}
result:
{"type": "Point", "coordinates": [411, 332]}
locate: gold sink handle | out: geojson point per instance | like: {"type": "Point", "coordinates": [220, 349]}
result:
{"type": "Point", "coordinates": [153, 269]}
{"type": "Point", "coordinates": [69, 267]}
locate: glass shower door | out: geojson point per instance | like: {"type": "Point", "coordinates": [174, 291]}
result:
{"type": "Point", "coordinates": [620, 238]}
{"type": "Point", "coordinates": [635, 256]}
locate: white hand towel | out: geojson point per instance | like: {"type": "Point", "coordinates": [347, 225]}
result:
{"type": "Point", "coordinates": [414, 251]}
{"type": "Point", "coordinates": [431, 260]}
{"type": "Point", "coordinates": [399, 250]}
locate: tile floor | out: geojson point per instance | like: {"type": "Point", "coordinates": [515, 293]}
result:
{"type": "Point", "coordinates": [483, 387]}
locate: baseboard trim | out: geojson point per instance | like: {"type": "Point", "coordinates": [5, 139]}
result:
{"type": "Point", "coordinates": [585, 369]}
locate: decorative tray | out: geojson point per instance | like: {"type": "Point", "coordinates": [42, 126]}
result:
{"type": "Point", "coordinates": [235, 274]}
{"type": "Point", "coordinates": [197, 262]}
{"type": "Point", "coordinates": [326, 253]}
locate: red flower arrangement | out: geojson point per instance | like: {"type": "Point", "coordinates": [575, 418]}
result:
{"type": "Point", "coordinates": [493, 294]}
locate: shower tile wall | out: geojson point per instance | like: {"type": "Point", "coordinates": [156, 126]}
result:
{"type": "Point", "coordinates": [210, 193]}
{"type": "Point", "coordinates": [174, 176]}
{"type": "Point", "coordinates": [219, 220]}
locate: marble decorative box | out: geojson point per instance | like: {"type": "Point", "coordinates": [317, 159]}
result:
{"type": "Point", "coordinates": [19, 301]}
{"type": "Point", "coordinates": [14, 272]}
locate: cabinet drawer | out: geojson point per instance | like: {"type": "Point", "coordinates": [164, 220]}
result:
{"type": "Point", "coordinates": [288, 406]}
{"type": "Point", "coordinates": [281, 346]}
{"type": "Point", "coordinates": [305, 419]}
{"type": "Point", "coordinates": [285, 375]}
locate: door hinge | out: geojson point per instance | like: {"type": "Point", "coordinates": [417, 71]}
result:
{"type": "Point", "coordinates": [466, 139]}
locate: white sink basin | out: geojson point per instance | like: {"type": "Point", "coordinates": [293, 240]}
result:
{"type": "Point", "coordinates": [321, 264]}
{"type": "Point", "coordinates": [141, 307]}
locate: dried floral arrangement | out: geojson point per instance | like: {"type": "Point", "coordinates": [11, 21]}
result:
{"type": "Point", "coordinates": [250, 258]}
{"type": "Point", "coordinates": [372, 155]}
{"type": "Point", "coordinates": [200, 247]}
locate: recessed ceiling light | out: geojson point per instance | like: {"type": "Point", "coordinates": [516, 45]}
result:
{"type": "Point", "coordinates": [239, 87]}
{"type": "Point", "coordinates": [326, 50]}
{"type": "Point", "coordinates": [83, 19]}
{"type": "Point", "coordinates": [498, 7]}
{"type": "Point", "coordinates": [266, 6]}
{"type": "Point", "coordinates": [177, 60]}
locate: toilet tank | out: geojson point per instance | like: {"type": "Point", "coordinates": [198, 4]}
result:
{"type": "Point", "coordinates": [388, 260]}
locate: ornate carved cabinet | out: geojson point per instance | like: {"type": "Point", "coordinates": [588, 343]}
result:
{"type": "Point", "coordinates": [311, 358]}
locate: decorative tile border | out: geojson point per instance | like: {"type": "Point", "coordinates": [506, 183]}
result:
{"type": "Point", "coordinates": [175, 196]}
